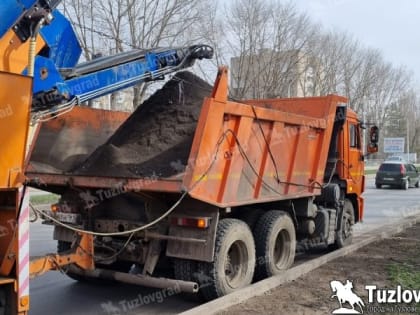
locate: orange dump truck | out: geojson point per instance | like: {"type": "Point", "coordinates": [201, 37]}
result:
{"type": "Point", "coordinates": [261, 178]}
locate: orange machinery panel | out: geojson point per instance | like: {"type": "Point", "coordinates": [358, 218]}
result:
{"type": "Point", "coordinates": [15, 101]}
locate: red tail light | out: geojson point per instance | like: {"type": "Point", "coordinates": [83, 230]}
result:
{"type": "Point", "coordinates": [201, 223]}
{"type": "Point", "coordinates": [55, 207]}
{"type": "Point", "coordinates": [402, 169]}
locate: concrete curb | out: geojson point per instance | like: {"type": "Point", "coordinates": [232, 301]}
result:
{"type": "Point", "coordinates": [263, 286]}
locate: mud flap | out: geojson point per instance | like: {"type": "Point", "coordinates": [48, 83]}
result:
{"type": "Point", "coordinates": [201, 251]}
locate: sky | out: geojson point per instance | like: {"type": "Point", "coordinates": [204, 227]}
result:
{"type": "Point", "coordinates": [392, 26]}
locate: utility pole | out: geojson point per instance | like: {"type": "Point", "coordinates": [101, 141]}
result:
{"type": "Point", "coordinates": [408, 141]}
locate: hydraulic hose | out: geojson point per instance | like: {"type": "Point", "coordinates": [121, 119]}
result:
{"type": "Point", "coordinates": [32, 47]}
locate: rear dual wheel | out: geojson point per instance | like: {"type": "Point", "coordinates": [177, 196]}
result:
{"type": "Point", "coordinates": [237, 256]}
{"type": "Point", "coordinates": [275, 241]}
{"type": "Point", "coordinates": [185, 269]}
{"type": "Point", "coordinates": [234, 260]}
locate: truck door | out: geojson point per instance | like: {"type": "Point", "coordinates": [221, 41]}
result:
{"type": "Point", "coordinates": [355, 158]}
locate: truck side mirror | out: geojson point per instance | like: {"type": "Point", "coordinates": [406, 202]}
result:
{"type": "Point", "coordinates": [373, 140]}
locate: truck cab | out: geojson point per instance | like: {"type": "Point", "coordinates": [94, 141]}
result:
{"type": "Point", "coordinates": [352, 166]}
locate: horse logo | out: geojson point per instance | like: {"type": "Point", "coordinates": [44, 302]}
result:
{"type": "Point", "coordinates": [89, 199]}
{"type": "Point", "coordinates": [344, 294]}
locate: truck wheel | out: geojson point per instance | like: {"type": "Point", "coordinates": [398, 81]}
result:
{"type": "Point", "coordinates": [234, 260]}
{"type": "Point", "coordinates": [344, 235]}
{"type": "Point", "coordinates": [185, 269]}
{"type": "Point", "coordinates": [275, 243]}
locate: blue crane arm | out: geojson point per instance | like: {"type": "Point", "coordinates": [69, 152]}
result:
{"type": "Point", "coordinates": [106, 75]}
{"type": "Point", "coordinates": [147, 66]}
{"type": "Point", "coordinates": [60, 81]}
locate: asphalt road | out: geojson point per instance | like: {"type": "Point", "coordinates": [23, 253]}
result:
{"type": "Point", "coordinates": [386, 205]}
{"type": "Point", "coordinates": [55, 293]}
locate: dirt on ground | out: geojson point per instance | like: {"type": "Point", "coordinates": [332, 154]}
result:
{"type": "Point", "coordinates": [376, 264]}
{"type": "Point", "coordinates": [156, 139]}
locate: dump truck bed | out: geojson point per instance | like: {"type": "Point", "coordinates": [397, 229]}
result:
{"type": "Point", "coordinates": [63, 143]}
{"type": "Point", "coordinates": [255, 151]}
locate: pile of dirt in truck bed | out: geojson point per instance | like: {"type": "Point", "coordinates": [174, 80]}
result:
{"type": "Point", "coordinates": [156, 139]}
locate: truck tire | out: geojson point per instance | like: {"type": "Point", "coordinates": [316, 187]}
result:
{"type": "Point", "coordinates": [188, 270]}
{"type": "Point", "coordinates": [275, 243]}
{"type": "Point", "coordinates": [185, 269]}
{"type": "Point", "coordinates": [344, 235]}
{"type": "Point", "coordinates": [234, 260]}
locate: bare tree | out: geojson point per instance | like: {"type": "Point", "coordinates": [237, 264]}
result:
{"type": "Point", "coordinates": [82, 16]}
{"type": "Point", "coordinates": [268, 40]}
{"type": "Point", "coordinates": [373, 86]}
{"type": "Point", "coordinates": [247, 27]}
{"type": "Point", "coordinates": [408, 107]}
{"type": "Point", "coordinates": [118, 25]}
